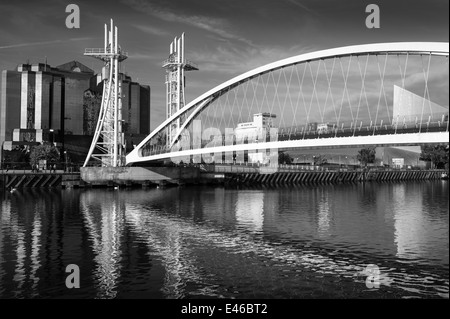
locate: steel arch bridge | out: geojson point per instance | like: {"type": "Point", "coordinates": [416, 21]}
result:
{"type": "Point", "coordinates": [384, 94]}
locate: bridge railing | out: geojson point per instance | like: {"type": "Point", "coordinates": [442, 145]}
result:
{"type": "Point", "coordinates": [304, 133]}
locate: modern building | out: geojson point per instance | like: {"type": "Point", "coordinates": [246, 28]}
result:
{"type": "Point", "coordinates": [324, 128]}
{"type": "Point", "coordinates": [412, 108]}
{"type": "Point", "coordinates": [252, 132]}
{"type": "Point", "coordinates": [61, 104]}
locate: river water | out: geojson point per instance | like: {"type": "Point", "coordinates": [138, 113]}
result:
{"type": "Point", "coordinates": [374, 240]}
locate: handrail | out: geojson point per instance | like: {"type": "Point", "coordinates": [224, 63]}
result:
{"type": "Point", "coordinates": [184, 62]}
{"type": "Point", "coordinates": [103, 51]}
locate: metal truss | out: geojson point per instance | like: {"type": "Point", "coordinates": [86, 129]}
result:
{"type": "Point", "coordinates": [108, 144]}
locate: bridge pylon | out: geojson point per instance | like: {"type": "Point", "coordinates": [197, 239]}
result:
{"type": "Point", "coordinates": [108, 144]}
{"type": "Point", "coordinates": [175, 66]}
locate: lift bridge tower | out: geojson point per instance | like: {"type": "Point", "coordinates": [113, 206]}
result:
{"type": "Point", "coordinates": [175, 66]}
{"type": "Point", "coordinates": [108, 144]}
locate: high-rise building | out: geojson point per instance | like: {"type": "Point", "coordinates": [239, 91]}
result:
{"type": "Point", "coordinates": [60, 104]}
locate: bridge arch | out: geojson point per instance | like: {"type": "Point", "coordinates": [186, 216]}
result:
{"type": "Point", "coordinates": [327, 65]}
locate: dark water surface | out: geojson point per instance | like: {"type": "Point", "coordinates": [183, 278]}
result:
{"type": "Point", "coordinates": [202, 242]}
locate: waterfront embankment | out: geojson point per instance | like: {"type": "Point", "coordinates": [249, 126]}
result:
{"type": "Point", "coordinates": [207, 174]}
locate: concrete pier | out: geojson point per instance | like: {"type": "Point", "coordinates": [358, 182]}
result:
{"type": "Point", "coordinates": [129, 176]}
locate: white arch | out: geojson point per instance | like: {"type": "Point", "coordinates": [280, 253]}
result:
{"type": "Point", "coordinates": [431, 48]}
{"type": "Point", "coordinates": [408, 139]}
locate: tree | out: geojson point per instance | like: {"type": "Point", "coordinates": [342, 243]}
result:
{"type": "Point", "coordinates": [436, 154]}
{"type": "Point", "coordinates": [161, 139]}
{"type": "Point", "coordinates": [366, 155]}
{"type": "Point", "coordinates": [284, 158]}
{"type": "Point", "coordinates": [17, 157]}
{"type": "Point", "coordinates": [320, 160]}
{"type": "Point", "coordinates": [46, 151]}
{"type": "Point", "coordinates": [91, 108]}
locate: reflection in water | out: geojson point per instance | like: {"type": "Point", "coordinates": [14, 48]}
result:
{"type": "Point", "coordinates": [19, 274]}
{"type": "Point", "coordinates": [410, 223]}
{"type": "Point", "coordinates": [21, 226]}
{"type": "Point", "coordinates": [166, 240]}
{"type": "Point", "coordinates": [307, 241]}
{"type": "Point", "coordinates": [4, 220]}
{"type": "Point", "coordinates": [324, 215]}
{"type": "Point", "coordinates": [152, 224]}
{"type": "Point", "coordinates": [413, 226]}
{"type": "Point", "coordinates": [35, 248]}
{"type": "Point", "coordinates": [249, 210]}
{"type": "Point", "coordinates": [27, 256]}
{"type": "Point", "coordinates": [103, 215]}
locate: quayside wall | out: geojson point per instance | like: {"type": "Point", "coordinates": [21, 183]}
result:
{"type": "Point", "coordinates": [163, 176]}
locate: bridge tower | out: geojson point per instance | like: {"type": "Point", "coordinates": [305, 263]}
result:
{"type": "Point", "coordinates": [175, 66]}
{"type": "Point", "coordinates": [108, 144]}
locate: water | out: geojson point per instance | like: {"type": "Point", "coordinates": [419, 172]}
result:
{"type": "Point", "coordinates": [203, 242]}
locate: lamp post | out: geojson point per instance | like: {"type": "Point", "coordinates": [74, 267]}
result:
{"type": "Point", "coordinates": [65, 160]}
{"type": "Point", "coordinates": [52, 131]}
{"type": "Point", "coordinates": [1, 156]}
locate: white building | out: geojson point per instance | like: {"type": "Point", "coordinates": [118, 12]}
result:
{"type": "Point", "coordinates": [254, 132]}
{"type": "Point", "coordinates": [412, 108]}
{"type": "Point", "coordinates": [324, 128]}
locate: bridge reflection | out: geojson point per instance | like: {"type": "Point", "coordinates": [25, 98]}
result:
{"type": "Point", "coordinates": [191, 242]}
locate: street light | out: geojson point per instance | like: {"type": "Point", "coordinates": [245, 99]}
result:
{"type": "Point", "coordinates": [1, 157]}
{"type": "Point", "coordinates": [53, 136]}
{"type": "Point", "coordinates": [65, 160]}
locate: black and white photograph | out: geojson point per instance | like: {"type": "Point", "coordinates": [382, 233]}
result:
{"type": "Point", "coordinates": [224, 154]}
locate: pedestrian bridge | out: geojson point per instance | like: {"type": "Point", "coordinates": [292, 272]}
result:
{"type": "Point", "coordinates": [384, 94]}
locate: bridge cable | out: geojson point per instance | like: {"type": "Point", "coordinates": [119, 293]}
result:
{"type": "Point", "coordinates": [382, 91]}
{"type": "Point", "coordinates": [426, 75]}
{"type": "Point", "coordinates": [329, 91]}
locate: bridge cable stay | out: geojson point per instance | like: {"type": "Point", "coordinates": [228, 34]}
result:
{"type": "Point", "coordinates": [426, 74]}
{"type": "Point", "coordinates": [348, 93]}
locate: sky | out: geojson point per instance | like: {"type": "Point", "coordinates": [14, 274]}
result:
{"type": "Point", "coordinates": [224, 37]}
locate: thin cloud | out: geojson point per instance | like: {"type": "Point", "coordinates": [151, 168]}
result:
{"type": "Point", "coordinates": [151, 30]}
{"type": "Point", "coordinates": [234, 61]}
{"type": "Point", "coordinates": [30, 44]}
{"type": "Point", "coordinates": [214, 25]}
{"type": "Point", "coordinates": [144, 56]}
{"type": "Point", "coordinates": [298, 3]}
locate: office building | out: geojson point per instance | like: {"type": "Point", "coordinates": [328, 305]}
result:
{"type": "Point", "coordinates": [61, 104]}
